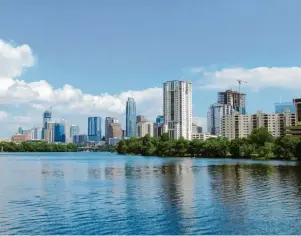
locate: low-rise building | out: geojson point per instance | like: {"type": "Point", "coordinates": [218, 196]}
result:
{"type": "Point", "coordinates": [114, 141]}
{"type": "Point", "coordinates": [203, 136]}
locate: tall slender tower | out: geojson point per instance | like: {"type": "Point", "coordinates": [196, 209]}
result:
{"type": "Point", "coordinates": [177, 108]}
{"type": "Point", "coordinates": [131, 117]}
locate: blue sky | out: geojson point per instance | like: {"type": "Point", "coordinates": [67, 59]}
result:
{"type": "Point", "coordinates": [118, 46]}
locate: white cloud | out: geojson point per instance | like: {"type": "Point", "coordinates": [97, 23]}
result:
{"type": "Point", "coordinates": [67, 101]}
{"type": "Point", "coordinates": [257, 78]}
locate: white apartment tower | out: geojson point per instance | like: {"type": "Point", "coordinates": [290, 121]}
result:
{"type": "Point", "coordinates": [177, 108]}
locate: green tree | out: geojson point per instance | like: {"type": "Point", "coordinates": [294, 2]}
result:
{"type": "Point", "coordinates": [285, 147]}
{"type": "Point", "coordinates": [121, 147]}
{"type": "Point", "coordinates": [260, 136]}
{"type": "Point", "coordinates": [181, 147]}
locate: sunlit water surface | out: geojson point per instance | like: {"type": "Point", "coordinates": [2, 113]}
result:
{"type": "Point", "coordinates": [102, 193]}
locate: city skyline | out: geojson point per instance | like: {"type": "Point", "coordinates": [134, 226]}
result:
{"type": "Point", "coordinates": [54, 65]}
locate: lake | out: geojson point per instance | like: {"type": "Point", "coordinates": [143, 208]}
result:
{"type": "Point", "coordinates": [103, 193]}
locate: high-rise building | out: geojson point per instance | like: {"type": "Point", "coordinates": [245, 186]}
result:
{"type": "Point", "coordinates": [295, 129]}
{"type": "Point", "coordinates": [285, 107]}
{"type": "Point", "coordinates": [67, 126]}
{"type": "Point", "coordinates": [59, 133]}
{"type": "Point", "coordinates": [160, 120]}
{"type": "Point", "coordinates": [139, 118]}
{"type": "Point", "coordinates": [20, 130]}
{"type": "Point", "coordinates": [49, 132]}
{"type": "Point", "coordinates": [37, 133]}
{"type": "Point", "coordinates": [131, 117]}
{"type": "Point", "coordinates": [177, 107]}
{"type": "Point", "coordinates": [94, 129]}
{"type": "Point", "coordinates": [74, 130]}
{"type": "Point", "coordinates": [145, 127]}
{"type": "Point", "coordinates": [215, 114]}
{"type": "Point", "coordinates": [46, 120]}
{"type": "Point", "coordinates": [235, 99]}
{"type": "Point", "coordinates": [109, 120]}
{"type": "Point", "coordinates": [115, 130]}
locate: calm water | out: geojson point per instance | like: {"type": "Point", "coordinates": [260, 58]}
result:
{"type": "Point", "coordinates": [97, 193]}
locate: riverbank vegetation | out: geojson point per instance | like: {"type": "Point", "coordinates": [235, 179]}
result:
{"type": "Point", "coordinates": [259, 145]}
{"type": "Point", "coordinates": [36, 147]}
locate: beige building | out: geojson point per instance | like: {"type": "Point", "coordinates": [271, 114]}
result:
{"type": "Point", "coordinates": [239, 126]}
{"type": "Point", "coordinates": [143, 128]}
{"type": "Point", "coordinates": [115, 130]}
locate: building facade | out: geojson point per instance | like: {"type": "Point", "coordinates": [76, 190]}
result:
{"type": "Point", "coordinates": [203, 136]}
{"type": "Point", "coordinates": [59, 133]}
{"type": "Point", "coordinates": [235, 99]}
{"type": "Point", "coordinates": [139, 118]}
{"type": "Point", "coordinates": [131, 117]}
{"type": "Point", "coordinates": [74, 130]}
{"type": "Point", "coordinates": [177, 108]}
{"type": "Point", "coordinates": [80, 139]}
{"type": "Point", "coordinates": [94, 129]}
{"type": "Point", "coordinates": [214, 116]}
{"type": "Point", "coordinates": [285, 107]}
{"type": "Point", "coordinates": [239, 126]}
{"type": "Point", "coordinates": [46, 119]}
{"type": "Point", "coordinates": [115, 130]}
{"type": "Point", "coordinates": [145, 127]}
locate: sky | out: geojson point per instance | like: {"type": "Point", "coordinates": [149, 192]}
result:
{"type": "Point", "coordinates": [84, 58]}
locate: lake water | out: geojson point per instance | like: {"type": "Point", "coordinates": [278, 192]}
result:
{"type": "Point", "coordinates": [103, 193]}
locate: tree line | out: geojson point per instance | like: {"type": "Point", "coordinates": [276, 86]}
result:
{"type": "Point", "coordinates": [260, 144]}
{"type": "Point", "coordinates": [36, 147]}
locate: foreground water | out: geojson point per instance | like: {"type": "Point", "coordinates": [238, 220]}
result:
{"type": "Point", "coordinates": [101, 193]}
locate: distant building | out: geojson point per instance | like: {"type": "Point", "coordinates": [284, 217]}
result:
{"type": "Point", "coordinates": [49, 132]}
{"type": "Point", "coordinates": [285, 107]}
{"type": "Point", "coordinates": [74, 130]}
{"type": "Point", "coordinates": [59, 133]}
{"type": "Point", "coordinates": [115, 130]}
{"type": "Point", "coordinates": [143, 128]}
{"type": "Point", "coordinates": [114, 141]}
{"type": "Point", "coordinates": [239, 126]}
{"type": "Point", "coordinates": [80, 139]}
{"type": "Point", "coordinates": [108, 121]}
{"type": "Point", "coordinates": [196, 129]}
{"type": "Point", "coordinates": [235, 99]}
{"type": "Point", "coordinates": [37, 133]}
{"type": "Point", "coordinates": [215, 114]}
{"type": "Point", "coordinates": [203, 136]}
{"type": "Point", "coordinates": [158, 129]}
{"type": "Point", "coordinates": [46, 119]}
{"type": "Point", "coordinates": [20, 130]}
{"type": "Point", "coordinates": [139, 118]}
{"type": "Point", "coordinates": [295, 128]}
{"type": "Point", "coordinates": [177, 107]}
{"type": "Point", "coordinates": [160, 120]}
{"type": "Point", "coordinates": [131, 117]}
{"type": "Point", "coordinates": [18, 138]}
{"type": "Point", "coordinates": [94, 129]}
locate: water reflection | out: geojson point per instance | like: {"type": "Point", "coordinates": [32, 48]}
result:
{"type": "Point", "coordinates": [136, 195]}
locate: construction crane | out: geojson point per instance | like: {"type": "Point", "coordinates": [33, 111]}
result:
{"type": "Point", "coordinates": [239, 83]}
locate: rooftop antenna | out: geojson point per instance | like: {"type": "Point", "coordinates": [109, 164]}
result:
{"type": "Point", "coordinates": [239, 83]}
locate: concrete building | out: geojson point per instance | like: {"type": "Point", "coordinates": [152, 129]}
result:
{"type": "Point", "coordinates": [46, 119]}
{"type": "Point", "coordinates": [215, 114]}
{"type": "Point", "coordinates": [239, 126]}
{"type": "Point", "coordinates": [115, 130]}
{"type": "Point", "coordinates": [295, 129]}
{"type": "Point", "coordinates": [177, 108]}
{"type": "Point", "coordinates": [94, 129]}
{"type": "Point", "coordinates": [203, 136]}
{"type": "Point", "coordinates": [235, 99]}
{"type": "Point", "coordinates": [143, 128]}
{"type": "Point", "coordinates": [139, 118]}
{"type": "Point", "coordinates": [49, 132]}
{"type": "Point", "coordinates": [131, 117]}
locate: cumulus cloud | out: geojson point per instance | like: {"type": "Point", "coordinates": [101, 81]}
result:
{"type": "Point", "coordinates": [67, 100]}
{"type": "Point", "coordinates": [257, 78]}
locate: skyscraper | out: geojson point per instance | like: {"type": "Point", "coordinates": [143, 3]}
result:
{"type": "Point", "coordinates": [215, 114]}
{"type": "Point", "coordinates": [177, 107]}
{"type": "Point", "coordinates": [59, 133]}
{"type": "Point", "coordinates": [94, 129]}
{"type": "Point", "coordinates": [235, 99]}
{"type": "Point", "coordinates": [74, 130]}
{"type": "Point", "coordinates": [46, 120]}
{"type": "Point", "coordinates": [131, 118]}
{"type": "Point", "coordinates": [109, 120]}
{"type": "Point", "coordinates": [66, 125]}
